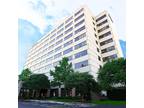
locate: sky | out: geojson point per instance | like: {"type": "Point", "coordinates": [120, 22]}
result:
{"type": "Point", "coordinates": [38, 17]}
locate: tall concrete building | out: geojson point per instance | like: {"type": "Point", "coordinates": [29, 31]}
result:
{"type": "Point", "coordinates": [87, 40]}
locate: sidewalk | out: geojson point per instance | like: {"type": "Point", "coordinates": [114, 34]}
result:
{"type": "Point", "coordinates": [64, 103]}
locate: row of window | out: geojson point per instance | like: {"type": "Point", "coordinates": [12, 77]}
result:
{"type": "Point", "coordinates": [81, 64]}
{"type": "Point", "coordinates": [80, 45]}
{"type": "Point", "coordinates": [110, 57]}
{"type": "Point", "coordinates": [80, 54]}
{"type": "Point", "coordinates": [78, 12]}
{"type": "Point", "coordinates": [66, 44]}
{"type": "Point", "coordinates": [98, 19]}
{"type": "Point", "coordinates": [105, 21]}
{"type": "Point", "coordinates": [80, 29]}
{"type": "Point", "coordinates": [80, 37]}
{"type": "Point", "coordinates": [108, 49]}
{"type": "Point", "coordinates": [76, 66]}
{"type": "Point", "coordinates": [104, 28]}
{"type": "Point", "coordinates": [79, 23]}
{"type": "Point", "coordinates": [106, 41]}
{"type": "Point", "coordinates": [105, 34]}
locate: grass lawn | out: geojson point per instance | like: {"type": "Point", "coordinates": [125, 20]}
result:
{"type": "Point", "coordinates": [108, 102]}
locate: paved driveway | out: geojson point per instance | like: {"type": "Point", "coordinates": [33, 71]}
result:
{"type": "Point", "coordinates": [56, 105]}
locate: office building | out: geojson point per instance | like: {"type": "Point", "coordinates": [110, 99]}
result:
{"type": "Point", "coordinates": [87, 40]}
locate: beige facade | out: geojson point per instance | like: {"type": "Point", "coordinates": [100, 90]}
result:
{"type": "Point", "coordinates": [87, 40]}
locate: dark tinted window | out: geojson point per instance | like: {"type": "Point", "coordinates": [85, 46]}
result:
{"type": "Point", "coordinates": [79, 17]}
{"type": "Point", "coordinates": [81, 64]}
{"type": "Point", "coordinates": [68, 36]}
{"type": "Point", "coordinates": [80, 37]}
{"type": "Point", "coordinates": [110, 57]}
{"type": "Point", "coordinates": [68, 50]}
{"type": "Point", "coordinates": [80, 29]}
{"type": "Point", "coordinates": [80, 45]}
{"type": "Point", "coordinates": [104, 28]}
{"type": "Point", "coordinates": [104, 35]}
{"type": "Point", "coordinates": [98, 19]}
{"type": "Point", "coordinates": [105, 21]}
{"type": "Point", "coordinates": [108, 49]}
{"type": "Point", "coordinates": [79, 23]}
{"type": "Point", "coordinates": [106, 42]}
{"type": "Point", "coordinates": [80, 54]}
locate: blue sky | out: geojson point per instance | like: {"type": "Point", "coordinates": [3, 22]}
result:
{"type": "Point", "coordinates": [37, 17]}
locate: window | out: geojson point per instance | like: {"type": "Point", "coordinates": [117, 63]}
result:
{"type": "Point", "coordinates": [79, 17]}
{"type": "Point", "coordinates": [80, 45]}
{"type": "Point", "coordinates": [106, 42]}
{"type": "Point", "coordinates": [68, 36]}
{"type": "Point", "coordinates": [93, 23]}
{"type": "Point", "coordinates": [108, 49]}
{"type": "Point", "coordinates": [80, 29]}
{"type": "Point", "coordinates": [49, 59]}
{"type": "Point", "coordinates": [99, 58]}
{"type": "Point", "coordinates": [53, 31]}
{"type": "Point", "coordinates": [68, 50]}
{"type": "Point", "coordinates": [50, 52]}
{"type": "Point", "coordinates": [69, 19]}
{"type": "Point", "coordinates": [98, 19]}
{"type": "Point", "coordinates": [70, 29]}
{"type": "Point", "coordinates": [79, 11]}
{"type": "Point", "coordinates": [105, 21]}
{"type": "Point", "coordinates": [81, 64]}
{"type": "Point", "coordinates": [58, 42]}
{"type": "Point", "coordinates": [51, 41]}
{"type": "Point", "coordinates": [80, 54]}
{"type": "Point", "coordinates": [68, 25]}
{"type": "Point", "coordinates": [94, 29]}
{"type": "Point", "coordinates": [51, 46]}
{"type": "Point", "coordinates": [79, 23]}
{"type": "Point", "coordinates": [56, 63]}
{"type": "Point", "coordinates": [58, 48]}
{"type": "Point", "coordinates": [104, 28]}
{"type": "Point", "coordinates": [110, 57]}
{"type": "Point", "coordinates": [57, 55]}
{"type": "Point", "coordinates": [95, 35]}
{"type": "Point", "coordinates": [60, 26]}
{"type": "Point", "coordinates": [104, 35]}
{"type": "Point", "coordinates": [59, 36]}
{"type": "Point", "coordinates": [96, 42]}
{"type": "Point", "coordinates": [68, 43]}
{"type": "Point", "coordinates": [110, 17]}
{"type": "Point", "coordinates": [70, 58]}
{"type": "Point", "coordinates": [60, 30]}
{"type": "Point", "coordinates": [80, 37]}
{"type": "Point", "coordinates": [53, 36]}
{"type": "Point", "coordinates": [98, 50]}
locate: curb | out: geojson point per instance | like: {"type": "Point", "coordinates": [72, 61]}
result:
{"type": "Point", "coordinates": [63, 103]}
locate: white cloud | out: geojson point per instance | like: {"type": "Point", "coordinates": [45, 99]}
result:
{"type": "Point", "coordinates": [36, 11]}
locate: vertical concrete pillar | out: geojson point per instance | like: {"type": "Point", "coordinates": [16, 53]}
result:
{"type": "Point", "coordinates": [73, 92]}
{"type": "Point", "coordinates": [59, 92]}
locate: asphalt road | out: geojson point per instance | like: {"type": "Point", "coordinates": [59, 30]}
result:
{"type": "Point", "coordinates": [55, 105]}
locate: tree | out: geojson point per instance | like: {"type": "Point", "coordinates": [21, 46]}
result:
{"type": "Point", "coordinates": [37, 82]}
{"type": "Point", "coordinates": [61, 72]}
{"type": "Point", "coordinates": [25, 75]}
{"type": "Point", "coordinates": [112, 74]}
{"type": "Point", "coordinates": [83, 82]}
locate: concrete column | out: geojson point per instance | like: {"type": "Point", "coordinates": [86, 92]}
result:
{"type": "Point", "coordinates": [73, 92]}
{"type": "Point", "coordinates": [59, 92]}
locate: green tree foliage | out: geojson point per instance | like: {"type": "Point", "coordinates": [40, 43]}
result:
{"type": "Point", "coordinates": [37, 82]}
{"type": "Point", "coordinates": [112, 74]}
{"type": "Point", "coordinates": [25, 75]}
{"type": "Point", "coordinates": [83, 82]}
{"type": "Point", "coordinates": [62, 71]}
